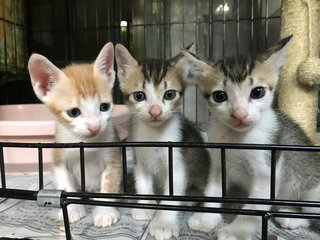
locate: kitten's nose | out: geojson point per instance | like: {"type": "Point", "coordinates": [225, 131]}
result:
{"type": "Point", "coordinates": [94, 129]}
{"type": "Point", "coordinates": [155, 111]}
{"type": "Point", "coordinates": [240, 115]}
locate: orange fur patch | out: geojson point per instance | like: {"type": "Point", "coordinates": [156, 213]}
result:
{"type": "Point", "coordinates": [112, 180]}
{"type": "Point", "coordinates": [79, 84]}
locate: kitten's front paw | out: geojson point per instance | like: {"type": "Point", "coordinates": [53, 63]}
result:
{"type": "Point", "coordinates": [162, 229]}
{"type": "Point", "coordinates": [292, 223]}
{"type": "Point", "coordinates": [204, 222]}
{"type": "Point", "coordinates": [75, 213]}
{"type": "Point", "coordinates": [142, 214]}
{"type": "Point", "coordinates": [105, 216]}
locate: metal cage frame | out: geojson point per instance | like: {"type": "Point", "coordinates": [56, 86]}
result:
{"type": "Point", "coordinates": [56, 198]}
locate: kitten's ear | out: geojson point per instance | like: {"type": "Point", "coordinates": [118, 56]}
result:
{"type": "Point", "coordinates": [124, 61]}
{"type": "Point", "coordinates": [191, 48]}
{"type": "Point", "coordinates": [277, 54]}
{"type": "Point", "coordinates": [192, 68]}
{"type": "Point", "coordinates": [103, 65]}
{"type": "Point", "coordinates": [44, 75]}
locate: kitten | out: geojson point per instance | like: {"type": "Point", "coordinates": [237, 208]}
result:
{"type": "Point", "coordinates": [80, 96]}
{"type": "Point", "coordinates": [153, 89]}
{"type": "Point", "coordinates": [240, 93]}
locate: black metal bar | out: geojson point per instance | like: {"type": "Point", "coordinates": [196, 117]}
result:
{"type": "Point", "coordinates": [82, 169]}
{"type": "Point", "coordinates": [170, 172]}
{"type": "Point", "coordinates": [18, 194]}
{"type": "Point", "coordinates": [40, 167]}
{"type": "Point", "coordinates": [273, 175]}
{"type": "Point", "coordinates": [223, 172]}
{"type": "Point", "coordinates": [239, 211]}
{"type": "Point", "coordinates": [124, 169]}
{"type": "Point", "coordinates": [2, 169]}
{"type": "Point", "coordinates": [68, 30]}
{"type": "Point", "coordinates": [8, 21]}
{"type": "Point", "coordinates": [252, 26]}
{"type": "Point", "coordinates": [64, 206]}
{"type": "Point", "coordinates": [256, 201]}
{"type": "Point", "coordinates": [264, 229]}
{"type": "Point", "coordinates": [224, 31]}
{"type": "Point", "coordinates": [210, 32]}
{"type": "Point", "coordinates": [238, 26]}
{"type": "Point", "coordinates": [165, 144]}
{"type": "Point", "coordinates": [267, 24]}
{"type": "Point", "coordinates": [5, 40]}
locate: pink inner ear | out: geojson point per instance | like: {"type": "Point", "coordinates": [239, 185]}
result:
{"type": "Point", "coordinates": [108, 67]}
{"type": "Point", "coordinates": [104, 63]}
{"type": "Point", "coordinates": [42, 76]}
{"type": "Point", "coordinates": [45, 82]}
{"type": "Point", "coordinates": [110, 73]}
{"type": "Point", "coordinates": [122, 61]}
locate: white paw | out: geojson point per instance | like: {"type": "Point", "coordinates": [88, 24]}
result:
{"type": "Point", "coordinates": [204, 222]}
{"type": "Point", "coordinates": [142, 214]}
{"type": "Point", "coordinates": [75, 213]}
{"type": "Point", "coordinates": [292, 223]}
{"type": "Point", "coordinates": [162, 229]}
{"type": "Point", "coordinates": [105, 216]}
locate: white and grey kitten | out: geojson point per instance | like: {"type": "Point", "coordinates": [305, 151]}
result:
{"type": "Point", "coordinates": [153, 90]}
{"type": "Point", "coordinates": [240, 93]}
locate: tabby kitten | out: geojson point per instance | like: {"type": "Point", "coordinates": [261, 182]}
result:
{"type": "Point", "coordinates": [153, 90]}
{"type": "Point", "coordinates": [240, 93]}
{"type": "Point", "coordinates": [80, 96]}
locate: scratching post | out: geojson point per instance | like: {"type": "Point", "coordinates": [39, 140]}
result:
{"type": "Point", "coordinates": [300, 75]}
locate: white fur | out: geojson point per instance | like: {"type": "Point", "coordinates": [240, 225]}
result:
{"type": "Point", "coordinates": [92, 125]}
{"type": "Point", "coordinates": [245, 167]}
{"type": "Point", "coordinates": [245, 118]}
{"type": "Point", "coordinates": [91, 116]}
{"type": "Point", "coordinates": [66, 176]}
{"type": "Point", "coordinates": [152, 163]}
{"type": "Point", "coordinates": [154, 120]}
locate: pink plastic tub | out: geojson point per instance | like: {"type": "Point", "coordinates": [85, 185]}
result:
{"type": "Point", "coordinates": [34, 123]}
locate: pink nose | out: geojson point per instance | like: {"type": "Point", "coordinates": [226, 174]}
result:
{"type": "Point", "coordinates": [240, 115]}
{"type": "Point", "coordinates": [155, 111]}
{"type": "Point", "coordinates": [94, 129]}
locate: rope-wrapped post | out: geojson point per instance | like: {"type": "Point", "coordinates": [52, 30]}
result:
{"type": "Point", "coordinates": [300, 75]}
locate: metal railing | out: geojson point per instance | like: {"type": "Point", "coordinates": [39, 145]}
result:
{"type": "Point", "coordinates": [125, 199]}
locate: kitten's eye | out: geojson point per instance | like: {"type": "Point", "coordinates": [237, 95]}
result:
{"type": "Point", "coordinates": [74, 112]}
{"type": "Point", "coordinates": [139, 96]}
{"type": "Point", "coordinates": [219, 96]}
{"type": "Point", "coordinates": [170, 94]}
{"type": "Point", "coordinates": [258, 92]}
{"type": "Point", "coordinates": [104, 107]}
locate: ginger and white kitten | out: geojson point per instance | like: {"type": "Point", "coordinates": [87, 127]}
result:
{"type": "Point", "coordinates": [153, 89]}
{"type": "Point", "coordinates": [240, 93]}
{"type": "Point", "coordinates": [80, 96]}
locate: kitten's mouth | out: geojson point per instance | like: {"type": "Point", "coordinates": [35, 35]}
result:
{"type": "Point", "coordinates": [156, 121]}
{"type": "Point", "coordinates": [241, 126]}
{"type": "Point", "coordinates": [93, 134]}
{"type": "Point", "coordinates": [90, 135]}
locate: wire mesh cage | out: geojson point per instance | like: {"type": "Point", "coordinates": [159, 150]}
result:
{"type": "Point", "coordinates": [128, 198]}
{"type": "Point", "coordinates": [74, 31]}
